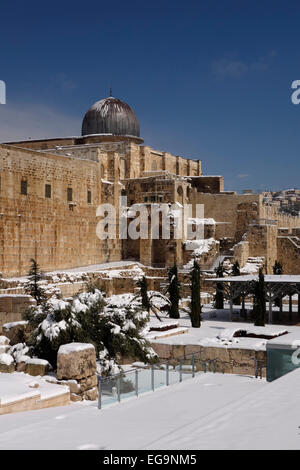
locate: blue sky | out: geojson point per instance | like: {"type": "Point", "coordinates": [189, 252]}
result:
{"type": "Point", "coordinates": [207, 79]}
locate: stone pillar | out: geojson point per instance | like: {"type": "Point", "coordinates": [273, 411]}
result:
{"type": "Point", "coordinates": [76, 367]}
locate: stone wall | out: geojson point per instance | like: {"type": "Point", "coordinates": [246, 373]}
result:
{"type": "Point", "coordinates": [229, 360]}
{"type": "Point", "coordinates": [225, 209]}
{"type": "Point", "coordinates": [56, 232]}
{"type": "Point", "coordinates": [263, 243]}
{"type": "Point", "coordinates": [288, 254]}
{"type": "Point", "coordinates": [61, 233]}
{"type": "Point", "coordinates": [241, 253]}
{"type": "Point", "coordinates": [12, 307]}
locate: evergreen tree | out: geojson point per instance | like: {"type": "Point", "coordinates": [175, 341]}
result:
{"type": "Point", "coordinates": [196, 307]}
{"type": "Point", "coordinates": [260, 300]}
{"type": "Point", "coordinates": [174, 292]}
{"type": "Point", "coordinates": [236, 272]}
{"type": "Point", "coordinates": [114, 330]}
{"type": "Point", "coordinates": [236, 269]}
{"type": "Point", "coordinates": [34, 287]}
{"type": "Point", "coordinates": [277, 270]}
{"type": "Point", "coordinates": [219, 299]}
{"type": "Point", "coordinates": [147, 297]}
{"type": "Point", "coordinates": [142, 284]}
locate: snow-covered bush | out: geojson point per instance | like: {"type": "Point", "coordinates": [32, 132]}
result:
{"type": "Point", "coordinates": [114, 330]}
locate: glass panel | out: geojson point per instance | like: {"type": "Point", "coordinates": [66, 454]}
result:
{"type": "Point", "coordinates": [173, 372]}
{"type": "Point", "coordinates": [160, 375]}
{"type": "Point", "coordinates": [109, 389]}
{"type": "Point", "coordinates": [127, 385]}
{"type": "Point", "coordinates": [279, 363]}
{"type": "Point", "coordinates": [144, 380]}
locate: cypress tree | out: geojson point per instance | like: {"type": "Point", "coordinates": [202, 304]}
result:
{"type": "Point", "coordinates": [34, 288]}
{"type": "Point", "coordinates": [196, 307]}
{"type": "Point", "coordinates": [260, 300]}
{"type": "Point", "coordinates": [277, 270]}
{"type": "Point", "coordinates": [236, 272]}
{"type": "Point", "coordinates": [146, 299]}
{"type": "Point", "coordinates": [219, 300]}
{"type": "Point", "coordinates": [174, 292]}
{"type": "Point", "coordinates": [142, 284]}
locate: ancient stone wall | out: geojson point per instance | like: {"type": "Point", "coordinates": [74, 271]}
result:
{"type": "Point", "coordinates": [228, 360]}
{"type": "Point", "coordinates": [288, 254]}
{"type": "Point", "coordinates": [262, 242]}
{"type": "Point", "coordinates": [12, 307]}
{"type": "Point", "coordinates": [241, 253]}
{"type": "Point", "coordinates": [58, 232]}
{"type": "Point", "coordinates": [223, 208]}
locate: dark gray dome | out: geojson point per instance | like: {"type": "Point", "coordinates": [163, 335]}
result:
{"type": "Point", "coordinates": [110, 116]}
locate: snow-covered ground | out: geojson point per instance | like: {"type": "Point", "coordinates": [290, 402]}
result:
{"type": "Point", "coordinates": [212, 411]}
{"type": "Point", "coordinates": [17, 386]}
{"type": "Point", "coordinates": [217, 331]}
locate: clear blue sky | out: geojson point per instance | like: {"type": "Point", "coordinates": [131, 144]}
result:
{"type": "Point", "coordinates": [207, 79]}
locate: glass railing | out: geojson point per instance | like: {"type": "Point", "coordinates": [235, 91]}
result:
{"type": "Point", "coordinates": [134, 382]}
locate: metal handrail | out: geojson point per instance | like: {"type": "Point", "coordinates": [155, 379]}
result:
{"type": "Point", "coordinates": [117, 377]}
{"type": "Point", "coordinates": [205, 363]}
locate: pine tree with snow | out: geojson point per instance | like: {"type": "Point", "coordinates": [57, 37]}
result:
{"type": "Point", "coordinates": [174, 292]}
{"type": "Point", "coordinates": [196, 307]}
{"type": "Point", "coordinates": [259, 309]}
{"type": "Point", "coordinates": [219, 298]}
{"type": "Point", "coordinates": [115, 330]}
{"type": "Point", "coordinates": [33, 287]}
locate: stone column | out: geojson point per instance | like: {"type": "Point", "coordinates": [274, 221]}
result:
{"type": "Point", "coordinates": [76, 367]}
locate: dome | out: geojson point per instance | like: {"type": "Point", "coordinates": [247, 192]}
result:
{"type": "Point", "coordinates": [110, 116]}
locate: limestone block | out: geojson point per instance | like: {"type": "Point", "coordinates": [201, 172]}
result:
{"type": "Point", "coordinates": [75, 397]}
{"type": "Point", "coordinates": [162, 350]}
{"type": "Point", "coordinates": [7, 369]}
{"type": "Point", "coordinates": [76, 361]}
{"type": "Point", "coordinates": [91, 394]}
{"type": "Point", "coordinates": [16, 332]}
{"type": "Point", "coordinates": [88, 383]}
{"type": "Point", "coordinates": [20, 367]}
{"type": "Point", "coordinates": [36, 367]}
{"type": "Point", "coordinates": [178, 351]}
{"type": "Point", "coordinates": [6, 363]}
{"type": "Point", "coordinates": [72, 384]}
{"type": "Point", "coordinates": [191, 349]}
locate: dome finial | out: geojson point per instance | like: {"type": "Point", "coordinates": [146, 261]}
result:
{"type": "Point", "coordinates": [110, 91]}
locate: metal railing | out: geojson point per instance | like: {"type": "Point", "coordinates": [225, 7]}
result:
{"type": "Point", "coordinates": [134, 382]}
